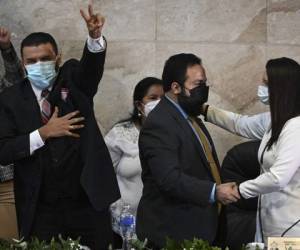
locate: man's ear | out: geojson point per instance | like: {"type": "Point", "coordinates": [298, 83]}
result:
{"type": "Point", "coordinates": [58, 59]}
{"type": "Point", "coordinates": [175, 88]}
{"type": "Point", "coordinates": [23, 66]}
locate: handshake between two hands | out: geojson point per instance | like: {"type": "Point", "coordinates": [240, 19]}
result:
{"type": "Point", "coordinates": [227, 193]}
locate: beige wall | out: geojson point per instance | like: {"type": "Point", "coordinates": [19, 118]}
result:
{"type": "Point", "coordinates": [234, 38]}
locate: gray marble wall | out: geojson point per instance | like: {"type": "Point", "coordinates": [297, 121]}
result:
{"type": "Point", "coordinates": [234, 38]}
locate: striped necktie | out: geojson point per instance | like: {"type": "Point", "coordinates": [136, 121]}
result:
{"type": "Point", "coordinates": [46, 106]}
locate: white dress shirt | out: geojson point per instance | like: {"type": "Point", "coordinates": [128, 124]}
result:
{"type": "Point", "coordinates": [278, 185]}
{"type": "Point", "coordinates": [36, 142]}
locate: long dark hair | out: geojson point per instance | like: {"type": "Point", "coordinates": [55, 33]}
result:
{"type": "Point", "coordinates": [284, 93]}
{"type": "Point", "coordinates": [140, 91]}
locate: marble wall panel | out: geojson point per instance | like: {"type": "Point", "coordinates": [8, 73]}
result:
{"type": "Point", "coordinates": [275, 51]}
{"type": "Point", "coordinates": [128, 19]}
{"type": "Point", "coordinates": [283, 22]}
{"type": "Point", "coordinates": [211, 20]}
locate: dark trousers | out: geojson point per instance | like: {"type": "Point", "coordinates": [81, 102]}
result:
{"type": "Point", "coordinates": [117, 241]}
{"type": "Point", "coordinates": [73, 219]}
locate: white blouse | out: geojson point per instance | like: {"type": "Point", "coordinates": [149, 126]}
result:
{"type": "Point", "coordinates": [122, 143]}
{"type": "Point", "coordinates": [278, 185]}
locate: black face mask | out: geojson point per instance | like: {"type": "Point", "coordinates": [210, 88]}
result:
{"type": "Point", "coordinates": [192, 104]}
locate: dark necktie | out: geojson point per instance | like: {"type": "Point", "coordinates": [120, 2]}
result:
{"type": "Point", "coordinates": [46, 106]}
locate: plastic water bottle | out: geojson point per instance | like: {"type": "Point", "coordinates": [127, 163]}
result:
{"type": "Point", "coordinates": [127, 227]}
{"type": "Point", "coordinates": [115, 217]}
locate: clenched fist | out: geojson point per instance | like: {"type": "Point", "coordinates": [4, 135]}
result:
{"type": "Point", "coordinates": [4, 38]}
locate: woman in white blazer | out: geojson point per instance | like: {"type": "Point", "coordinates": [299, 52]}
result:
{"type": "Point", "coordinates": [278, 185]}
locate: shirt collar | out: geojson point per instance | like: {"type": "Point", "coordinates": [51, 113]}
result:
{"type": "Point", "coordinates": [181, 111]}
{"type": "Point", "coordinates": [38, 92]}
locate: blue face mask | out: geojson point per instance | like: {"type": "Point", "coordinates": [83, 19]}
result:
{"type": "Point", "coordinates": [41, 74]}
{"type": "Point", "coordinates": [263, 94]}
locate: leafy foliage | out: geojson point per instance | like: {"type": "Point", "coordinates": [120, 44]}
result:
{"type": "Point", "coordinates": [35, 244]}
{"type": "Point", "coordinates": [196, 244]}
{"type": "Point", "coordinates": [69, 244]}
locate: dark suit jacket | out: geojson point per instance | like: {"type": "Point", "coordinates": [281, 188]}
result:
{"type": "Point", "coordinates": [20, 115]}
{"type": "Point", "coordinates": [177, 180]}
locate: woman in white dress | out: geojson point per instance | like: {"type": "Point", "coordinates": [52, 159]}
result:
{"type": "Point", "coordinates": [278, 185]}
{"type": "Point", "coordinates": [122, 143]}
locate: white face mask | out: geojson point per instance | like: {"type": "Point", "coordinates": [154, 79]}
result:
{"type": "Point", "coordinates": [150, 106]}
{"type": "Point", "coordinates": [263, 94]}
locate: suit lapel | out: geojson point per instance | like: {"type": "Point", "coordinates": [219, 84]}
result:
{"type": "Point", "coordinates": [186, 128]}
{"type": "Point", "coordinates": [31, 109]}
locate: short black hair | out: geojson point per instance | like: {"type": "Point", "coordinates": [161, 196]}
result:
{"type": "Point", "coordinates": [175, 69]}
{"type": "Point", "coordinates": [38, 38]}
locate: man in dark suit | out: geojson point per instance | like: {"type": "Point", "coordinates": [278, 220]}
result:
{"type": "Point", "coordinates": [64, 179]}
{"type": "Point", "coordinates": [180, 170]}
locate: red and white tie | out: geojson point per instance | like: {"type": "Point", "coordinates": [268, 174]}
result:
{"type": "Point", "coordinates": [45, 107]}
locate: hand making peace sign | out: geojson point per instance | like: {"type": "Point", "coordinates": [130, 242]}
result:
{"type": "Point", "coordinates": [94, 22]}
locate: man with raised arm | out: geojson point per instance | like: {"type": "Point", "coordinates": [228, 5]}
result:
{"type": "Point", "coordinates": [64, 179]}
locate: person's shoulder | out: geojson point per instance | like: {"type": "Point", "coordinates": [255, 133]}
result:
{"type": "Point", "coordinates": [156, 117]}
{"type": "Point", "coordinates": [290, 132]}
{"type": "Point", "coordinates": [10, 93]}
{"type": "Point", "coordinates": [67, 70]}
{"type": "Point", "coordinates": [122, 128]}
{"type": "Point", "coordinates": [293, 123]}
{"type": "Point", "coordinates": [163, 114]}
{"type": "Point", "coordinates": [70, 63]}
{"type": "Point", "coordinates": [124, 131]}
{"type": "Point", "coordinates": [160, 118]}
